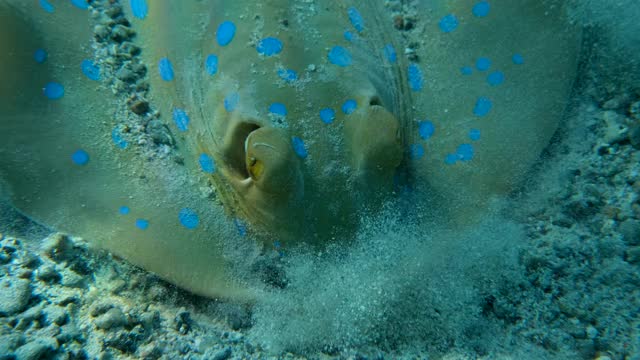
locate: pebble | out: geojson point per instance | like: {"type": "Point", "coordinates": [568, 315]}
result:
{"type": "Point", "coordinates": [48, 274]}
{"type": "Point", "coordinates": [183, 321]}
{"type": "Point", "coordinates": [139, 107]}
{"type": "Point", "coordinates": [121, 33]}
{"type": "Point", "coordinates": [634, 135]}
{"type": "Point", "coordinates": [223, 354]}
{"type": "Point", "coordinates": [630, 231]}
{"type": "Point", "coordinates": [592, 332]}
{"type": "Point", "coordinates": [632, 255]}
{"type": "Point", "coordinates": [37, 349]}
{"type": "Point", "coordinates": [58, 247]}
{"type": "Point", "coordinates": [56, 315]}
{"type": "Point", "coordinates": [114, 318]}
{"type": "Point", "coordinates": [634, 110]}
{"type": "Point", "coordinates": [159, 133]}
{"type": "Point", "coordinates": [14, 295]}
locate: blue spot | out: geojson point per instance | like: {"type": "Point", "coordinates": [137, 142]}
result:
{"type": "Point", "coordinates": [278, 109]}
{"type": "Point", "coordinates": [142, 224]}
{"type": "Point", "coordinates": [426, 129]}
{"type": "Point", "coordinates": [118, 139]}
{"type": "Point", "coordinates": [483, 64]}
{"type": "Point", "coordinates": [450, 159]}
{"type": "Point", "coordinates": [465, 152]}
{"type": "Point", "coordinates": [474, 134]}
{"type": "Point", "coordinates": [327, 115]}
{"type": "Point", "coordinates": [448, 23]}
{"type": "Point", "coordinates": [495, 78]}
{"type": "Point", "coordinates": [348, 35]}
{"type": "Point", "coordinates": [466, 70]}
{"type": "Point", "coordinates": [231, 101]}
{"type": "Point", "coordinates": [124, 210]}
{"type": "Point", "coordinates": [288, 75]}
{"type": "Point", "coordinates": [340, 56]}
{"type": "Point", "coordinates": [211, 64]}
{"type": "Point", "coordinates": [188, 218]}
{"type": "Point", "coordinates": [46, 6]}
{"type": "Point", "coordinates": [40, 56]}
{"type": "Point", "coordinates": [181, 119]}
{"type": "Point", "coordinates": [226, 32]}
{"type": "Point", "coordinates": [277, 245]}
{"type": "Point", "coordinates": [482, 107]}
{"type": "Point", "coordinates": [298, 147]}
{"type": "Point", "coordinates": [166, 69]}
{"type": "Point", "coordinates": [90, 70]}
{"type": "Point", "coordinates": [416, 151]}
{"type": "Point", "coordinates": [415, 77]}
{"type": "Point", "coordinates": [54, 90]}
{"type": "Point", "coordinates": [269, 46]}
{"type": "Point", "coordinates": [80, 157]}
{"type": "Point", "coordinates": [517, 59]}
{"type": "Point", "coordinates": [139, 8]}
{"type": "Point", "coordinates": [481, 9]}
{"type": "Point", "coordinates": [390, 53]}
{"type": "Point", "coordinates": [240, 226]}
{"type": "Point", "coordinates": [356, 19]}
{"type": "Point", "coordinates": [206, 163]}
{"type": "Point", "coordinates": [80, 4]}
{"type": "Point", "coordinates": [349, 106]}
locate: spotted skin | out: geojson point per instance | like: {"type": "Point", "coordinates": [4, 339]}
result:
{"type": "Point", "coordinates": [303, 118]}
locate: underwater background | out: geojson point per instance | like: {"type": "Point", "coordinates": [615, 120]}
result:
{"type": "Point", "coordinates": [547, 269]}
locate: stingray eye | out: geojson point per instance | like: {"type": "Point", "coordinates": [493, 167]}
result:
{"type": "Point", "coordinates": [270, 160]}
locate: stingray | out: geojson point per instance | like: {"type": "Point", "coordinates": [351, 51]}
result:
{"type": "Point", "coordinates": [162, 130]}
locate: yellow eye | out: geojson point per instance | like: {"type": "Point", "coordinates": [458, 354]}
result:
{"type": "Point", "coordinates": [256, 168]}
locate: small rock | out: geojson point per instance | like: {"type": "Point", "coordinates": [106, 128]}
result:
{"type": "Point", "coordinates": [100, 309]}
{"type": "Point", "coordinates": [14, 296]}
{"type": "Point", "coordinates": [630, 231]}
{"type": "Point", "coordinates": [69, 332]}
{"type": "Point", "coordinates": [126, 75]}
{"type": "Point", "coordinates": [129, 49]}
{"type": "Point", "coordinates": [48, 274]}
{"type": "Point", "coordinates": [223, 354]}
{"type": "Point", "coordinates": [30, 260]}
{"type": "Point", "coordinates": [150, 352]}
{"type": "Point", "coordinates": [33, 314]}
{"type": "Point", "coordinates": [634, 110]}
{"type": "Point", "coordinates": [150, 320]}
{"type": "Point", "coordinates": [10, 342]}
{"type": "Point", "coordinates": [183, 321]}
{"type": "Point", "coordinates": [632, 255]}
{"type": "Point", "coordinates": [114, 318]}
{"type": "Point", "coordinates": [592, 332]}
{"type": "Point", "coordinates": [58, 247]}
{"type": "Point", "coordinates": [120, 33]}
{"type": "Point", "coordinates": [101, 32]}
{"type": "Point", "coordinates": [37, 349]}
{"type": "Point", "coordinates": [159, 133]}
{"type": "Point", "coordinates": [139, 107]}
{"type": "Point", "coordinates": [634, 135]}
{"type": "Point", "coordinates": [56, 315]}
{"type": "Point", "coordinates": [73, 280]}
{"type": "Point", "coordinates": [612, 104]}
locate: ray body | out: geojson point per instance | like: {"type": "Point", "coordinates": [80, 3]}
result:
{"type": "Point", "coordinates": [304, 116]}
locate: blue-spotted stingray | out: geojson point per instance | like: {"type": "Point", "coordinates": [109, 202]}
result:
{"type": "Point", "coordinates": [285, 121]}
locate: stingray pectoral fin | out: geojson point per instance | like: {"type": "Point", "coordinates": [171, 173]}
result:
{"type": "Point", "coordinates": [61, 167]}
{"type": "Point", "coordinates": [373, 145]}
{"type": "Point", "coordinates": [495, 88]}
